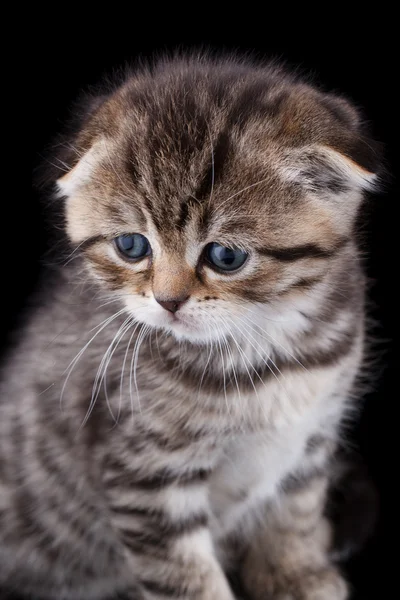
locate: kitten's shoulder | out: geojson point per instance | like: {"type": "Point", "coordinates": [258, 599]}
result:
{"type": "Point", "coordinates": [61, 306]}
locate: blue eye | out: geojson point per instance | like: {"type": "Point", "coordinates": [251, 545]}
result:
{"type": "Point", "coordinates": [133, 245]}
{"type": "Point", "coordinates": [225, 259]}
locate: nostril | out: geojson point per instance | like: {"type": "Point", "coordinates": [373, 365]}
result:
{"type": "Point", "coordinates": [172, 305]}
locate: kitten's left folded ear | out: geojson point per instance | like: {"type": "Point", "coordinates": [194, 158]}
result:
{"type": "Point", "coordinates": [337, 154]}
{"type": "Point", "coordinates": [68, 149]}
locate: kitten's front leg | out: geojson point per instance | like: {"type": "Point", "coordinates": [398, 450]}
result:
{"type": "Point", "coordinates": [288, 558]}
{"type": "Point", "coordinates": [164, 528]}
{"type": "Point", "coordinates": [189, 572]}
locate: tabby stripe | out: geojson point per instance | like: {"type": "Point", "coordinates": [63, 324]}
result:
{"type": "Point", "coordinates": [319, 358]}
{"type": "Point", "coordinates": [324, 358]}
{"type": "Point", "coordinates": [136, 546]}
{"type": "Point", "coordinates": [66, 484]}
{"type": "Point", "coordinates": [315, 356]}
{"type": "Point", "coordinates": [254, 101]}
{"type": "Point", "coordinates": [300, 252]}
{"type": "Point", "coordinates": [179, 441]}
{"type": "Point", "coordinates": [131, 594]}
{"type": "Point", "coordinates": [136, 538]}
{"type": "Point", "coordinates": [266, 371]}
{"type": "Point", "coordinates": [298, 481]}
{"type": "Point", "coordinates": [305, 283]}
{"type": "Point", "coordinates": [160, 479]}
{"type": "Point", "coordinates": [214, 170]}
{"type": "Point", "coordinates": [51, 466]}
{"type": "Point", "coordinates": [212, 174]}
{"type": "Point", "coordinates": [183, 214]}
{"type": "Point", "coordinates": [139, 511]}
{"type": "Point", "coordinates": [163, 589]}
{"type": "Point", "coordinates": [315, 442]}
{"type": "Point", "coordinates": [159, 535]}
{"type": "Point", "coordinates": [31, 519]}
{"type": "Point", "coordinates": [162, 525]}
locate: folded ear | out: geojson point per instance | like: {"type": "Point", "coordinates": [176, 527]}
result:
{"type": "Point", "coordinates": [327, 171]}
{"type": "Point", "coordinates": [75, 178]}
{"type": "Point", "coordinates": [66, 152]}
{"type": "Point", "coordinates": [336, 155]}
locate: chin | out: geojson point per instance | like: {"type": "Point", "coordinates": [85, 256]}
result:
{"type": "Point", "coordinates": [181, 328]}
{"type": "Point", "coordinates": [191, 334]}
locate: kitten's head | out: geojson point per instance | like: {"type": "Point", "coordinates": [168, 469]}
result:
{"type": "Point", "coordinates": [202, 188]}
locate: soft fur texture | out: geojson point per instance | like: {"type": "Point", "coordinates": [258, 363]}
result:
{"type": "Point", "coordinates": [145, 454]}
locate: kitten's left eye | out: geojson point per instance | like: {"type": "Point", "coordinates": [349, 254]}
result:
{"type": "Point", "coordinates": [225, 259]}
{"type": "Point", "coordinates": [133, 245]}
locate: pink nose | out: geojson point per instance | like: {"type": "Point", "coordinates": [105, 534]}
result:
{"type": "Point", "coordinates": [172, 305]}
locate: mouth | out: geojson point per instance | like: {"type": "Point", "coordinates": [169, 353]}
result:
{"type": "Point", "coordinates": [176, 319]}
{"type": "Point", "coordinates": [181, 326]}
{"type": "Point", "coordinates": [184, 327]}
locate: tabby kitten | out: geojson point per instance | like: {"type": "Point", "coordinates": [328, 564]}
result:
{"type": "Point", "coordinates": [172, 409]}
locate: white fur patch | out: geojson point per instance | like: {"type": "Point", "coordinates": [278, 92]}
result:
{"type": "Point", "coordinates": [179, 501]}
{"type": "Point", "coordinates": [198, 542]}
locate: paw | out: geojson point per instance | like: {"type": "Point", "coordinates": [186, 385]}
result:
{"type": "Point", "coordinates": [324, 584]}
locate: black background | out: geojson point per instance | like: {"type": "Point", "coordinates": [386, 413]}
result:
{"type": "Point", "coordinates": [354, 58]}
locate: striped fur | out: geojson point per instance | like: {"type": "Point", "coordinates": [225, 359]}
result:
{"type": "Point", "coordinates": [145, 453]}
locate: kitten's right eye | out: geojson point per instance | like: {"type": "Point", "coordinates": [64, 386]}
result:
{"type": "Point", "coordinates": [133, 246]}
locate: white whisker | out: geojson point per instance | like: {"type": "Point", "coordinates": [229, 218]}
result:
{"type": "Point", "coordinates": [123, 369]}
{"type": "Point", "coordinates": [270, 337]}
{"type": "Point", "coordinates": [133, 366]}
{"type": "Point", "coordinates": [102, 369]}
{"type": "Point", "coordinates": [74, 361]}
{"type": "Point", "coordinates": [265, 361]}
{"type": "Point", "coordinates": [206, 365]}
{"type": "Point", "coordinates": [127, 327]}
{"type": "Point", "coordinates": [223, 374]}
{"type": "Point", "coordinates": [141, 337]}
{"type": "Point", "coordinates": [245, 358]}
{"type": "Point", "coordinates": [69, 257]}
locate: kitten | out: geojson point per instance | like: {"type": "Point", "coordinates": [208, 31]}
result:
{"type": "Point", "coordinates": [173, 407]}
